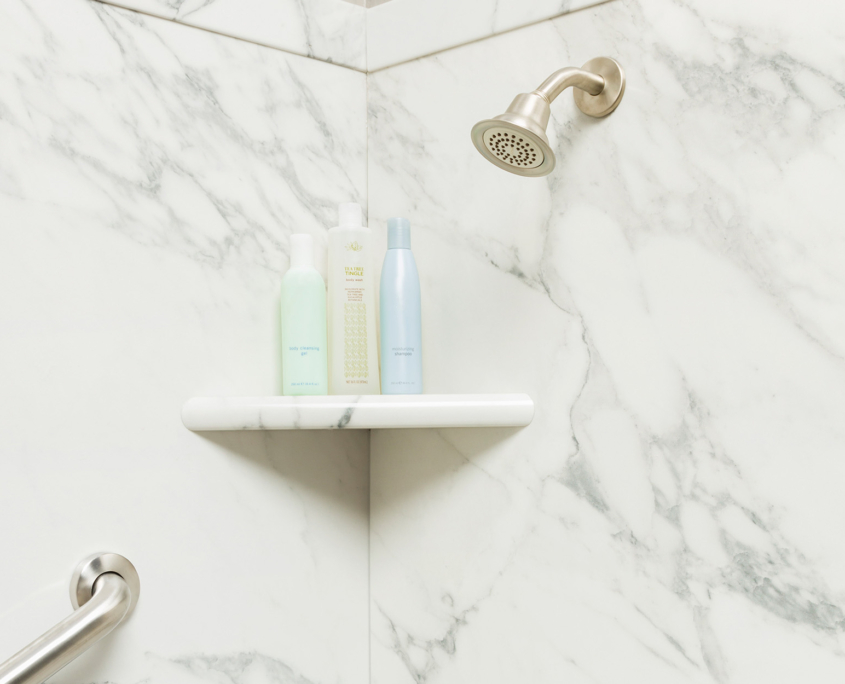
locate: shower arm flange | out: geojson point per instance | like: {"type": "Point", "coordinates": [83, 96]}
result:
{"type": "Point", "coordinates": [562, 79]}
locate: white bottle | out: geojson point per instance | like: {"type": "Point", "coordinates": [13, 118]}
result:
{"type": "Point", "coordinates": [353, 346]}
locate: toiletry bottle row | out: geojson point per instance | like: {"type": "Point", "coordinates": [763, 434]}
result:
{"type": "Point", "coordinates": [334, 349]}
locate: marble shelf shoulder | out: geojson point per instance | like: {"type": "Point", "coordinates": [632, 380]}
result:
{"type": "Point", "coordinates": [357, 412]}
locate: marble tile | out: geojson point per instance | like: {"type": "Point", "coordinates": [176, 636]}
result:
{"type": "Point", "coordinates": [361, 412]}
{"type": "Point", "coordinates": [673, 300]}
{"type": "Point", "coordinates": [329, 30]}
{"type": "Point", "coordinates": [150, 175]}
{"type": "Point", "coordinates": [401, 30]}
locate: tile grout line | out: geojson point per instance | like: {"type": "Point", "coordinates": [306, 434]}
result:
{"type": "Point", "coordinates": [369, 554]}
{"type": "Point", "coordinates": [366, 71]}
{"type": "Point", "coordinates": [489, 37]}
{"type": "Point", "coordinates": [369, 636]}
{"type": "Point", "coordinates": [110, 3]}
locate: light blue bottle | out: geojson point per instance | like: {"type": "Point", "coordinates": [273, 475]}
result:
{"type": "Point", "coordinates": [401, 320]}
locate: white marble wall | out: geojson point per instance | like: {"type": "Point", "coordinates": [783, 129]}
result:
{"type": "Point", "coordinates": [400, 30]}
{"type": "Point", "coordinates": [150, 174]}
{"type": "Point", "coordinates": [330, 30]}
{"type": "Point", "coordinates": [673, 298]}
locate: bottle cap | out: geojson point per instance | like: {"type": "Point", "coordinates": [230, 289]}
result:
{"type": "Point", "coordinates": [349, 215]}
{"type": "Point", "coordinates": [301, 250]}
{"type": "Point", "coordinates": [398, 233]}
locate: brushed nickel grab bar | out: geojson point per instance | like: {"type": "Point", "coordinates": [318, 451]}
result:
{"type": "Point", "coordinates": [104, 590]}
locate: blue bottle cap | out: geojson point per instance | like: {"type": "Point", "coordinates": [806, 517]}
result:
{"type": "Point", "coordinates": [398, 233]}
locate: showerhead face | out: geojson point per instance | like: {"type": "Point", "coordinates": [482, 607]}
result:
{"type": "Point", "coordinates": [513, 148]}
{"type": "Point", "coordinates": [516, 141]}
{"type": "Point", "coordinates": [516, 149]}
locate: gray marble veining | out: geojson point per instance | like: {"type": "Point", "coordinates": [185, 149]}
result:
{"type": "Point", "coordinates": [672, 298]}
{"type": "Point", "coordinates": [150, 176]}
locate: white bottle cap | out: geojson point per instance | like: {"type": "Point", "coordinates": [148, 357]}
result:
{"type": "Point", "coordinates": [349, 215]}
{"type": "Point", "coordinates": [301, 250]}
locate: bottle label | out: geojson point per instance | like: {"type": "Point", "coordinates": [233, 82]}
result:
{"type": "Point", "coordinates": [353, 356]}
{"type": "Point", "coordinates": [355, 362]}
{"type": "Point", "coordinates": [303, 351]}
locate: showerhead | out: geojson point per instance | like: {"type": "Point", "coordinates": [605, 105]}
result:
{"type": "Point", "coordinates": [516, 140]}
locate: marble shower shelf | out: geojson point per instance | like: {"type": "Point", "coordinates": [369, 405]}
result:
{"type": "Point", "coordinates": [357, 412]}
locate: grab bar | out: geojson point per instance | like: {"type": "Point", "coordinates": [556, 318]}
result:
{"type": "Point", "coordinates": [103, 590]}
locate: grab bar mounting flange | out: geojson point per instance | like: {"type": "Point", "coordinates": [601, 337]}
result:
{"type": "Point", "coordinates": [87, 572]}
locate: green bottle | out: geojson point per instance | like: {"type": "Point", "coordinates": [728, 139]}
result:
{"type": "Point", "coordinates": [304, 348]}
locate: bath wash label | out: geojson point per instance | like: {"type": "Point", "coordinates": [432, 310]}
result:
{"type": "Point", "coordinates": [356, 369]}
{"type": "Point", "coordinates": [353, 338]}
{"type": "Point", "coordinates": [355, 363]}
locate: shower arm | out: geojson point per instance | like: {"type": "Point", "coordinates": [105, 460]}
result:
{"type": "Point", "coordinates": [562, 79]}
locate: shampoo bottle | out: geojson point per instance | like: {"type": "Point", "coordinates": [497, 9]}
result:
{"type": "Point", "coordinates": [304, 353]}
{"type": "Point", "coordinates": [353, 347]}
{"type": "Point", "coordinates": [399, 302]}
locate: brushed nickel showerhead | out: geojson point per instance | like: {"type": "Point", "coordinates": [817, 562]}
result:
{"type": "Point", "coordinates": [516, 140]}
